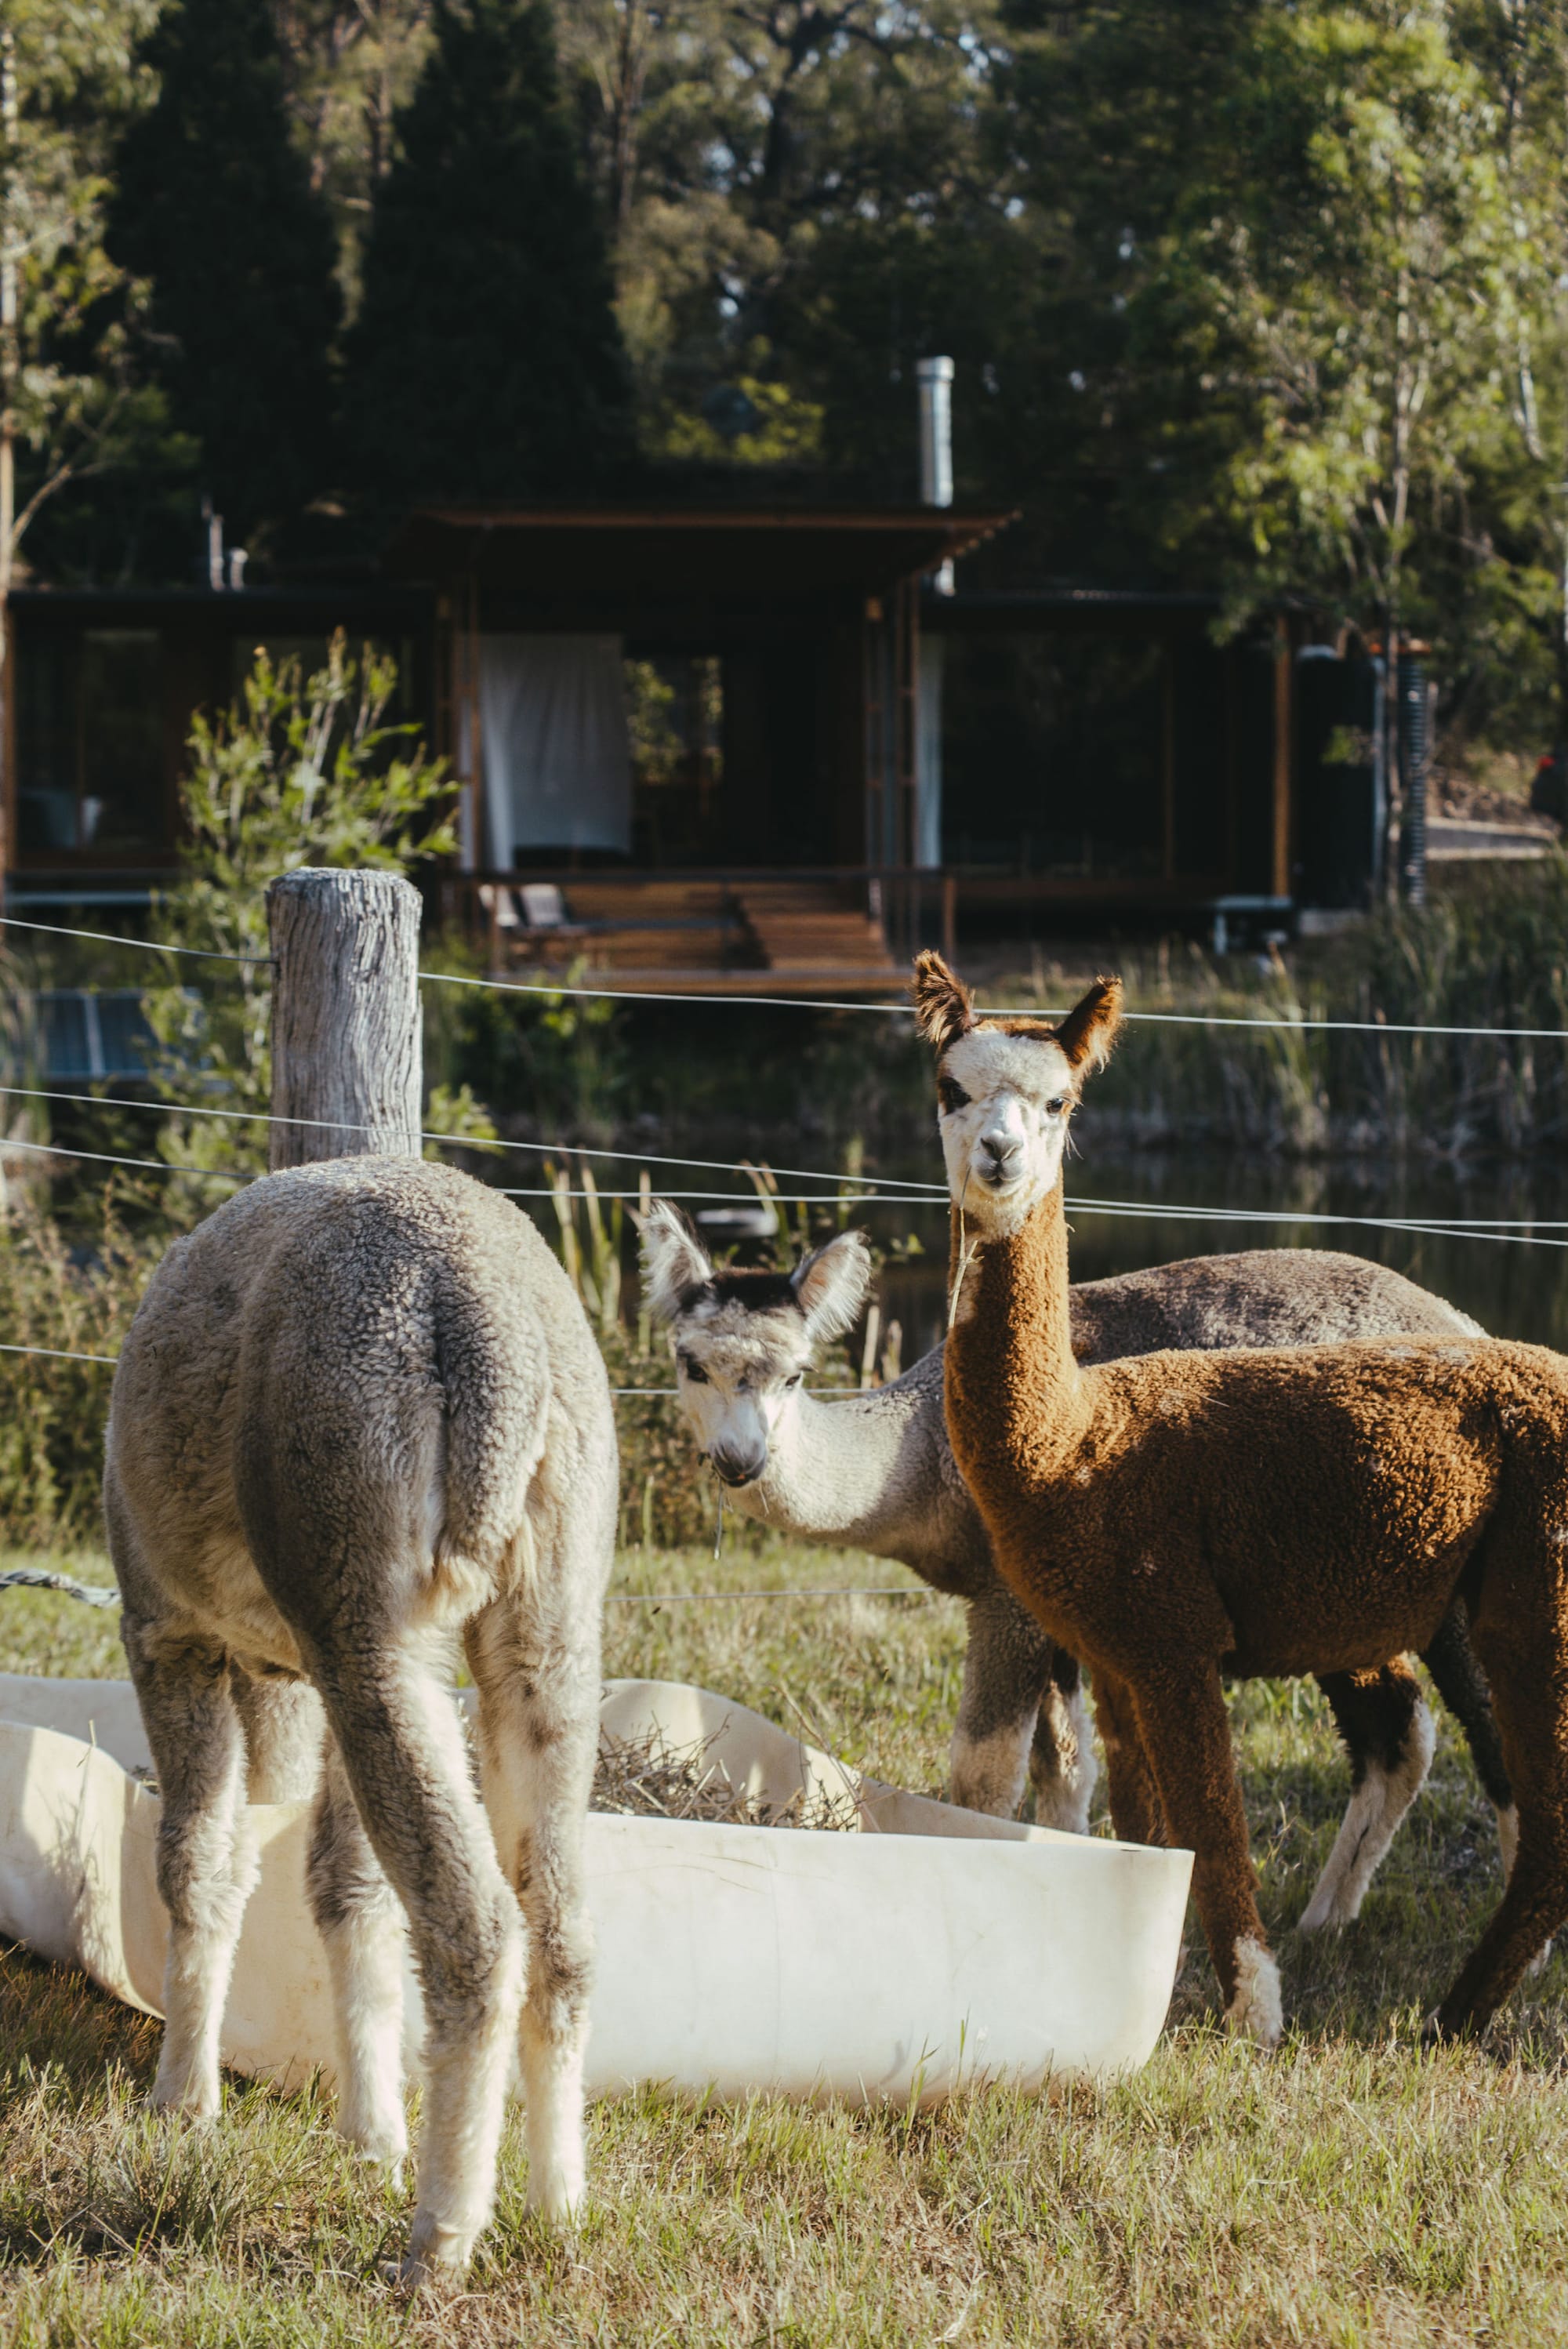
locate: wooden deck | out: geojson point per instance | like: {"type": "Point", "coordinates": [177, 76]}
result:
{"type": "Point", "coordinates": [689, 935]}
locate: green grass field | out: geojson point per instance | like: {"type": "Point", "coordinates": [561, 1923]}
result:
{"type": "Point", "coordinates": [1350, 2188]}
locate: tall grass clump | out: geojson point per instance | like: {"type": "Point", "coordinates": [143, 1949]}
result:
{"type": "Point", "coordinates": [72, 1297]}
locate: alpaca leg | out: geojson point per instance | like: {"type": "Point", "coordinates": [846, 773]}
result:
{"type": "Point", "coordinates": [1389, 1734]}
{"type": "Point", "coordinates": [283, 1726]}
{"type": "Point", "coordinates": [1007, 1673]}
{"type": "Point", "coordinates": [1187, 1735]}
{"type": "Point", "coordinates": [362, 1925]}
{"type": "Point", "coordinates": [1524, 1649]}
{"type": "Point", "coordinates": [1135, 1811]}
{"type": "Point", "coordinates": [1062, 1764]}
{"type": "Point", "coordinates": [206, 1861]}
{"type": "Point", "coordinates": [1461, 1682]}
{"type": "Point", "coordinates": [539, 1737]}
{"type": "Point", "coordinates": [402, 1749]}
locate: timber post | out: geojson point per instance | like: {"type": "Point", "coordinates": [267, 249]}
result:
{"type": "Point", "coordinates": [346, 1047]}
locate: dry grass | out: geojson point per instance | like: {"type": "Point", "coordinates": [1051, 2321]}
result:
{"type": "Point", "coordinates": [1351, 2189]}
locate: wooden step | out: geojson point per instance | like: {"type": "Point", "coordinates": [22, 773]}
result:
{"type": "Point", "coordinates": [805, 928]}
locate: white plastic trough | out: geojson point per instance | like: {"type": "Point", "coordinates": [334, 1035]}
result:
{"type": "Point", "coordinates": [933, 1948]}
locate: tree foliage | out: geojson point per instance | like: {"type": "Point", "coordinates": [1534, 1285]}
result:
{"type": "Point", "coordinates": [1268, 293]}
{"type": "Point", "coordinates": [70, 79]}
{"type": "Point", "coordinates": [216, 211]}
{"type": "Point", "coordinates": [486, 361]}
{"type": "Point", "coordinates": [304, 770]}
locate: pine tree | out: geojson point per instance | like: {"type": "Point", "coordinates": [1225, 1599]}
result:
{"type": "Point", "coordinates": [214, 206]}
{"type": "Point", "coordinates": [486, 361]}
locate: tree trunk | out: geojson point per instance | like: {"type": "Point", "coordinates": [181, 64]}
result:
{"type": "Point", "coordinates": [346, 1050]}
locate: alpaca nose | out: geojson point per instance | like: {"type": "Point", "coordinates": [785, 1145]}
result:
{"type": "Point", "coordinates": [1001, 1148]}
{"type": "Point", "coordinates": [740, 1463]}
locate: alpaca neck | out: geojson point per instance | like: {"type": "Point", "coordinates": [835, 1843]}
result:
{"type": "Point", "coordinates": [1014, 1391]}
{"type": "Point", "coordinates": [835, 1471]}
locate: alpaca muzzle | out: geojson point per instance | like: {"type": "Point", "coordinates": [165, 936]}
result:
{"type": "Point", "coordinates": [736, 1464]}
{"type": "Point", "coordinates": [999, 1161]}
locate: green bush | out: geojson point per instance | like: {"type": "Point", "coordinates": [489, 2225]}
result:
{"type": "Point", "coordinates": [304, 770]}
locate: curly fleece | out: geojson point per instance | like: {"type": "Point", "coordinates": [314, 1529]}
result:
{"type": "Point", "coordinates": [1182, 1516]}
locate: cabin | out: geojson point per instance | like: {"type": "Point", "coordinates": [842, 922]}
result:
{"type": "Point", "coordinates": [739, 748]}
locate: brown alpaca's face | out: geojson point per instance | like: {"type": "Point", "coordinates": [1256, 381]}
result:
{"type": "Point", "coordinates": [1004, 1097]}
{"type": "Point", "coordinates": [1005, 1089]}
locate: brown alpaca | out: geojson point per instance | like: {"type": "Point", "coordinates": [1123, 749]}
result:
{"type": "Point", "coordinates": [1179, 1516]}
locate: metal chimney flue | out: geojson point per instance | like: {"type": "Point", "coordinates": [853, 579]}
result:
{"type": "Point", "coordinates": [934, 377]}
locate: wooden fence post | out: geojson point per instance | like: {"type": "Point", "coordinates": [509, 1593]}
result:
{"type": "Point", "coordinates": [346, 1047]}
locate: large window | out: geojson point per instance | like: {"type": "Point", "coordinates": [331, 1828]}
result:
{"type": "Point", "coordinates": [89, 742]}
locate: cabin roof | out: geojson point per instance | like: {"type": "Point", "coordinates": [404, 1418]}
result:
{"type": "Point", "coordinates": [770, 551]}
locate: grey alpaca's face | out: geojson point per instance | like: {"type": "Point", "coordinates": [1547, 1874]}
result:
{"type": "Point", "coordinates": [1003, 1102]}
{"type": "Point", "coordinates": [744, 1340]}
{"type": "Point", "coordinates": [738, 1373]}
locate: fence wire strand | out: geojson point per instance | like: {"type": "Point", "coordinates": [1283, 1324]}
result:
{"type": "Point", "coordinates": [1301, 1025]}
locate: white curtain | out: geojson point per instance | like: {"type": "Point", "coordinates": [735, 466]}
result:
{"type": "Point", "coordinates": [557, 757]}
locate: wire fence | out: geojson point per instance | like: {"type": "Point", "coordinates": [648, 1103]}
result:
{"type": "Point", "coordinates": [841, 1188]}
{"type": "Point", "coordinates": [1526, 1231]}
{"type": "Point", "coordinates": [1301, 1023]}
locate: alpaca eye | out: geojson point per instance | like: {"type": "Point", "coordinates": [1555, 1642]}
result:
{"type": "Point", "coordinates": [796, 1380]}
{"type": "Point", "coordinates": [694, 1371]}
{"type": "Point", "coordinates": [951, 1096]}
{"type": "Point", "coordinates": [1056, 1107]}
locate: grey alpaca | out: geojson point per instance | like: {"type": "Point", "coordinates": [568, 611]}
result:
{"type": "Point", "coordinates": [875, 1472]}
{"type": "Point", "coordinates": [360, 1420]}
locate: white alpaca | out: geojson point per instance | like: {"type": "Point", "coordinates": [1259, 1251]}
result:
{"type": "Point", "coordinates": [360, 1420]}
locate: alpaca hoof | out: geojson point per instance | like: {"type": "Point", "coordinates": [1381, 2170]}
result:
{"type": "Point", "coordinates": [558, 2200]}
{"type": "Point", "coordinates": [1433, 2034]}
{"type": "Point", "coordinates": [197, 2104]}
{"type": "Point", "coordinates": [1256, 2013]}
{"type": "Point", "coordinates": [1329, 1910]}
{"type": "Point", "coordinates": [436, 2255]}
{"type": "Point", "coordinates": [383, 2148]}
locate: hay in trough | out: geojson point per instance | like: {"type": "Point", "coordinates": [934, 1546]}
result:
{"type": "Point", "coordinates": [647, 1778]}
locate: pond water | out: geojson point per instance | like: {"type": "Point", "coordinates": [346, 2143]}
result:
{"type": "Point", "coordinates": [1515, 1288]}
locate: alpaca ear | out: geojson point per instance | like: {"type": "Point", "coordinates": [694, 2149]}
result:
{"type": "Point", "coordinates": [830, 1286]}
{"type": "Point", "coordinates": [1090, 1027]}
{"type": "Point", "coordinates": [674, 1261]}
{"type": "Point", "coordinates": [943, 1007]}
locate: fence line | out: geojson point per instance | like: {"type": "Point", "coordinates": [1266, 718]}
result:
{"type": "Point", "coordinates": [107, 1158]}
{"type": "Point", "coordinates": [1302, 1026]}
{"type": "Point", "coordinates": [151, 946]}
{"type": "Point", "coordinates": [471, 1141]}
{"type": "Point", "coordinates": [1299, 1026]}
{"type": "Point", "coordinates": [1525, 1231]}
{"type": "Point", "coordinates": [58, 1354]}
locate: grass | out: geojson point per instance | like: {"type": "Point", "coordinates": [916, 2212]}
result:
{"type": "Point", "coordinates": [1350, 2190]}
